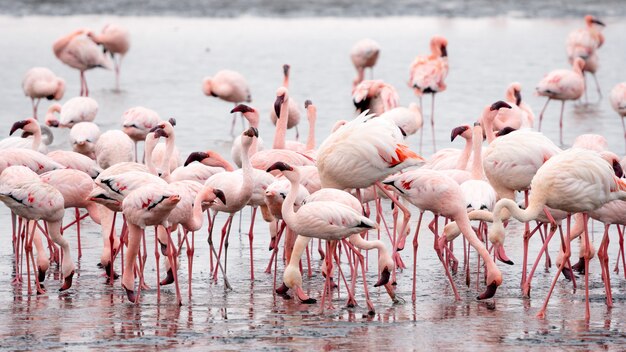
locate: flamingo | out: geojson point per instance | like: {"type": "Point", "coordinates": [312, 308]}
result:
{"type": "Point", "coordinates": [562, 85]}
{"type": "Point", "coordinates": [427, 75]}
{"type": "Point", "coordinates": [148, 205]}
{"type": "Point", "coordinates": [408, 119]}
{"type": "Point", "coordinates": [452, 158]}
{"type": "Point", "coordinates": [137, 122]}
{"type": "Point", "coordinates": [252, 115]}
{"type": "Point", "coordinates": [229, 86]}
{"type": "Point", "coordinates": [33, 160]}
{"type": "Point", "coordinates": [75, 110]}
{"type": "Point", "coordinates": [516, 114]}
{"type": "Point", "coordinates": [29, 126]}
{"type": "Point", "coordinates": [116, 40]}
{"type": "Point", "coordinates": [293, 107]}
{"type": "Point", "coordinates": [364, 54]}
{"type": "Point", "coordinates": [430, 190]}
{"type": "Point", "coordinates": [76, 161]}
{"type": "Point", "coordinates": [375, 96]}
{"type": "Point", "coordinates": [113, 147]}
{"type": "Point", "coordinates": [83, 137]}
{"type": "Point", "coordinates": [479, 194]}
{"type": "Point", "coordinates": [577, 181]}
{"type": "Point", "coordinates": [618, 102]}
{"type": "Point", "coordinates": [78, 51]}
{"type": "Point", "coordinates": [40, 82]}
{"type": "Point", "coordinates": [35, 200]}
{"type": "Point", "coordinates": [328, 220]}
{"type": "Point", "coordinates": [583, 43]}
{"type": "Point", "coordinates": [282, 108]}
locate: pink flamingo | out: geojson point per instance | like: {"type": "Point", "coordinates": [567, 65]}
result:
{"type": "Point", "coordinates": [35, 200]}
{"type": "Point", "coordinates": [116, 40]}
{"type": "Point", "coordinates": [252, 115]}
{"type": "Point", "coordinates": [562, 85]}
{"type": "Point", "coordinates": [328, 220]}
{"type": "Point", "coordinates": [364, 54]}
{"type": "Point", "coordinates": [408, 119]}
{"type": "Point", "coordinates": [229, 86]}
{"type": "Point", "coordinates": [40, 82]}
{"type": "Point", "coordinates": [29, 126]}
{"type": "Point", "coordinates": [293, 107]}
{"type": "Point", "coordinates": [375, 96]}
{"type": "Point", "coordinates": [114, 147]}
{"type": "Point", "coordinates": [75, 110]}
{"type": "Point", "coordinates": [78, 51]}
{"type": "Point", "coordinates": [33, 160]}
{"type": "Point", "coordinates": [76, 161]}
{"type": "Point", "coordinates": [618, 102]}
{"type": "Point", "coordinates": [427, 75]}
{"type": "Point", "coordinates": [453, 158]}
{"type": "Point", "coordinates": [479, 194]}
{"type": "Point", "coordinates": [576, 181]}
{"type": "Point", "coordinates": [432, 191]}
{"type": "Point", "coordinates": [516, 114]}
{"type": "Point", "coordinates": [137, 122]}
{"type": "Point", "coordinates": [583, 43]}
{"type": "Point", "coordinates": [83, 137]}
{"type": "Point", "coordinates": [282, 109]}
{"type": "Point", "coordinates": [149, 205]}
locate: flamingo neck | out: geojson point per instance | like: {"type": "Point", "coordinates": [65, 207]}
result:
{"type": "Point", "coordinates": [196, 213]}
{"type": "Point", "coordinates": [170, 144]}
{"type": "Point", "coordinates": [312, 115]}
{"type": "Point", "coordinates": [148, 149]}
{"type": "Point", "coordinates": [281, 125]}
{"type": "Point", "coordinates": [488, 121]}
{"type": "Point", "coordinates": [287, 209]}
{"type": "Point", "coordinates": [477, 163]}
{"type": "Point", "coordinates": [245, 192]}
{"type": "Point", "coordinates": [36, 139]}
{"type": "Point", "coordinates": [461, 163]}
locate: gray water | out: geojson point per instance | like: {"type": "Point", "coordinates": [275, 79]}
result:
{"type": "Point", "coordinates": [163, 71]}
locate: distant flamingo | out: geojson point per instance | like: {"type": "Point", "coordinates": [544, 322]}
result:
{"type": "Point", "coordinates": [618, 102]}
{"type": "Point", "coordinates": [137, 122]}
{"type": "Point", "coordinates": [40, 82]}
{"type": "Point", "coordinates": [229, 86]}
{"type": "Point", "coordinates": [364, 54]}
{"type": "Point", "coordinates": [328, 220]}
{"type": "Point", "coordinates": [427, 75]}
{"type": "Point", "coordinates": [375, 96]}
{"type": "Point", "coordinates": [293, 107]}
{"type": "Point", "coordinates": [576, 181]}
{"type": "Point", "coordinates": [73, 111]}
{"type": "Point", "coordinates": [562, 85]}
{"type": "Point", "coordinates": [78, 51]}
{"type": "Point", "coordinates": [583, 43]}
{"type": "Point", "coordinates": [116, 40]}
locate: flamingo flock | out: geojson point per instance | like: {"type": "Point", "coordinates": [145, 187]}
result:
{"type": "Point", "coordinates": [333, 192]}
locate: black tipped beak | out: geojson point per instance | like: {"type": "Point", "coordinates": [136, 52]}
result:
{"type": "Point", "coordinates": [18, 125]}
{"type": "Point", "coordinates": [242, 108]}
{"type": "Point", "coordinates": [498, 105]}
{"type": "Point", "coordinates": [286, 69]}
{"type": "Point", "coordinates": [196, 156]}
{"type": "Point", "coordinates": [252, 132]}
{"type": "Point", "coordinates": [172, 121]}
{"type": "Point", "coordinates": [457, 131]}
{"type": "Point", "coordinates": [518, 97]}
{"type": "Point", "coordinates": [280, 166]}
{"type": "Point", "coordinates": [159, 132]}
{"type": "Point", "coordinates": [307, 103]}
{"type": "Point", "coordinates": [153, 129]}
{"type": "Point", "coordinates": [617, 167]}
{"type": "Point", "coordinates": [489, 292]}
{"type": "Point", "coordinates": [505, 131]}
{"type": "Point", "coordinates": [444, 51]}
{"type": "Point", "coordinates": [598, 22]}
{"type": "Point", "coordinates": [384, 278]}
{"type": "Point", "coordinates": [278, 103]}
{"type": "Point", "coordinates": [220, 195]}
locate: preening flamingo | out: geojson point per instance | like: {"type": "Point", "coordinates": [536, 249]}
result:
{"type": "Point", "coordinates": [375, 96]}
{"type": "Point", "coordinates": [364, 54]}
{"type": "Point", "coordinates": [115, 40]}
{"type": "Point", "coordinates": [40, 82]}
{"type": "Point", "coordinates": [583, 43]}
{"type": "Point", "coordinates": [229, 86]}
{"type": "Point", "coordinates": [75, 110]}
{"type": "Point", "coordinates": [618, 102]}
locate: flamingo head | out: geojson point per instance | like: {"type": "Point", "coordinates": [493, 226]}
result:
{"type": "Point", "coordinates": [250, 113]}
{"type": "Point", "coordinates": [211, 195]}
{"type": "Point", "coordinates": [460, 131]}
{"type": "Point", "coordinates": [28, 125]}
{"type": "Point", "coordinates": [286, 69]}
{"type": "Point", "coordinates": [505, 131]}
{"type": "Point", "coordinates": [59, 92]}
{"type": "Point", "coordinates": [206, 87]}
{"type": "Point", "coordinates": [281, 97]}
{"type": "Point", "coordinates": [439, 44]}
{"type": "Point", "coordinates": [590, 20]}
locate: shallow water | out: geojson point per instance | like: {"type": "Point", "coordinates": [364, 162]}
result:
{"type": "Point", "coordinates": [163, 71]}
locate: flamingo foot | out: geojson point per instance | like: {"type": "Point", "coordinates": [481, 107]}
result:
{"type": "Point", "coordinates": [541, 314]}
{"type": "Point", "coordinates": [132, 297]}
{"type": "Point", "coordinates": [526, 290]}
{"type": "Point", "coordinates": [169, 279]}
{"type": "Point", "coordinates": [144, 286]}
{"type": "Point", "coordinates": [16, 281]}
{"type": "Point", "coordinates": [370, 309]}
{"type": "Point", "coordinates": [569, 274]}
{"type": "Point", "coordinates": [67, 283]}
{"type": "Point", "coordinates": [489, 292]}
{"type": "Point", "coordinates": [384, 278]}
{"type": "Point", "coordinates": [501, 255]}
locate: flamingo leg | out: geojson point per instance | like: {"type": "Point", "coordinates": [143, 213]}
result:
{"type": "Point", "coordinates": [439, 249]}
{"type": "Point", "coordinates": [210, 237]}
{"type": "Point", "coordinates": [432, 122]}
{"type": "Point", "coordinates": [595, 78]}
{"type": "Point", "coordinates": [80, 250]}
{"type": "Point", "coordinates": [527, 281]}
{"type": "Point", "coordinates": [541, 114]}
{"type": "Point", "coordinates": [415, 245]}
{"type": "Point", "coordinates": [422, 128]}
{"type": "Point", "coordinates": [604, 265]}
{"type": "Point", "coordinates": [251, 239]}
{"type": "Point", "coordinates": [157, 256]}
{"type": "Point", "coordinates": [173, 255]}
{"type": "Point", "coordinates": [561, 122]}
{"type": "Point", "coordinates": [587, 256]}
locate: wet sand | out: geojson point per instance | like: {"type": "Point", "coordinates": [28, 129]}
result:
{"type": "Point", "coordinates": [163, 71]}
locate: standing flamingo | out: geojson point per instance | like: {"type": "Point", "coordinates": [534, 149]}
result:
{"type": "Point", "coordinates": [562, 85]}
{"type": "Point", "coordinates": [328, 220]}
{"type": "Point", "coordinates": [294, 108]}
{"type": "Point", "coordinates": [576, 181]}
{"type": "Point", "coordinates": [40, 82]}
{"type": "Point", "coordinates": [364, 54]}
{"type": "Point", "coordinates": [229, 86]}
{"type": "Point", "coordinates": [618, 102]}
{"type": "Point", "coordinates": [78, 51]}
{"type": "Point", "coordinates": [116, 40]}
{"type": "Point", "coordinates": [427, 75]}
{"type": "Point", "coordinates": [252, 115]}
{"type": "Point", "coordinates": [583, 43]}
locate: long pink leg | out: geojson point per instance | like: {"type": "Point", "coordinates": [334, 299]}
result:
{"type": "Point", "coordinates": [620, 232]}
{"type": "Point", "coordinates": [527, 281]}
{"type": "Point", "coordinates": [587, 256]}
{"type": "Point", "coordinates": [561, 122]}
{"type": "Point", "coordinates": [210, 237]}
{"type": "Point", "coordinates": [439, 251]}
{"type": "Point", "coordinates": [421, 129]}
{"type": "Point", "coordinates": [432, 122]}
{"type": "Point", "coordinates": [415, 245]}
{"type": "Point", "coordinates": [224, 242]}
{"type": "Point", "coordinates": [28, 248]}
{"type": "Point", "coordinates": [172, 254]}
{"type": "Point", "coordinates": [251, 238]}
{"type": "Point", "coordinates": [190, 251]}
{"type": "Point", "coordinates": [604, 265]}
{"type": "Point", "coordinates": [80, 250]}
{"type": "Point", "coordinates": [541, 114]}
{"type": "Point", "coordinates": [405, 211]}
{"type": "Point", "coordinates": [157, 256]}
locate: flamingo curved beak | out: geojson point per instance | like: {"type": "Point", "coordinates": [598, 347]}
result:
{"type": "Point", "coordinates": [498, 105]}
{"type": "Point", "coordinates": [617, 168]}
{"type": "Point", "coordinates": [457, 131]}
{"type": "Point", "coordinates": [18, 125]}
{"type": "Point", "coordinates": [196, 156]}
{"type": "Point", "coordinates": [280, 166]}
{"type": "Point", "coordinates": [220, 195]}
{"type": "Point", "coordinates": [277, 104]}
{"type": "Point", "coordinates": [242, 108]}
{"type": "Point", "coordinates": [518, 97]}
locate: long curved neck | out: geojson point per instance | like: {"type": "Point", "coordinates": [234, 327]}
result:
{"type": "Point", "coordinates": [245, 192]}
{"type": "Point", "coordinates": [286, 80]}
{"type": "Point", "coordinates": [149, 148]}
{"type": "Point", "coordinates": [530, 213]}
{"type": "Point", "coordinates": [312, 116]}
{"type": "Point", "coordinates": [461, 163]}
{"type": "Point", "coordinates": [222, 163]}
{"type": "Point", "coordinates": [36, 138]}
{"type": "Point", "coordinates": [170, 144]}
{"type": "Point", "coordinates": [488, 121]}
{"type": "Point", "coordinates": [196, 213]}
{"type": "Point", "coordinates": [289, 215]}
{"type": "Point", "coordinates": [469, 233]}
{"type": "Point", "coordinates": [281, 125]}
{"type": "Point", "coordinates": [60, 44]}
{"type": "Point", "coordinates": [254, 122]}
{"type": "Point", "coordinates": [477, 163]}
